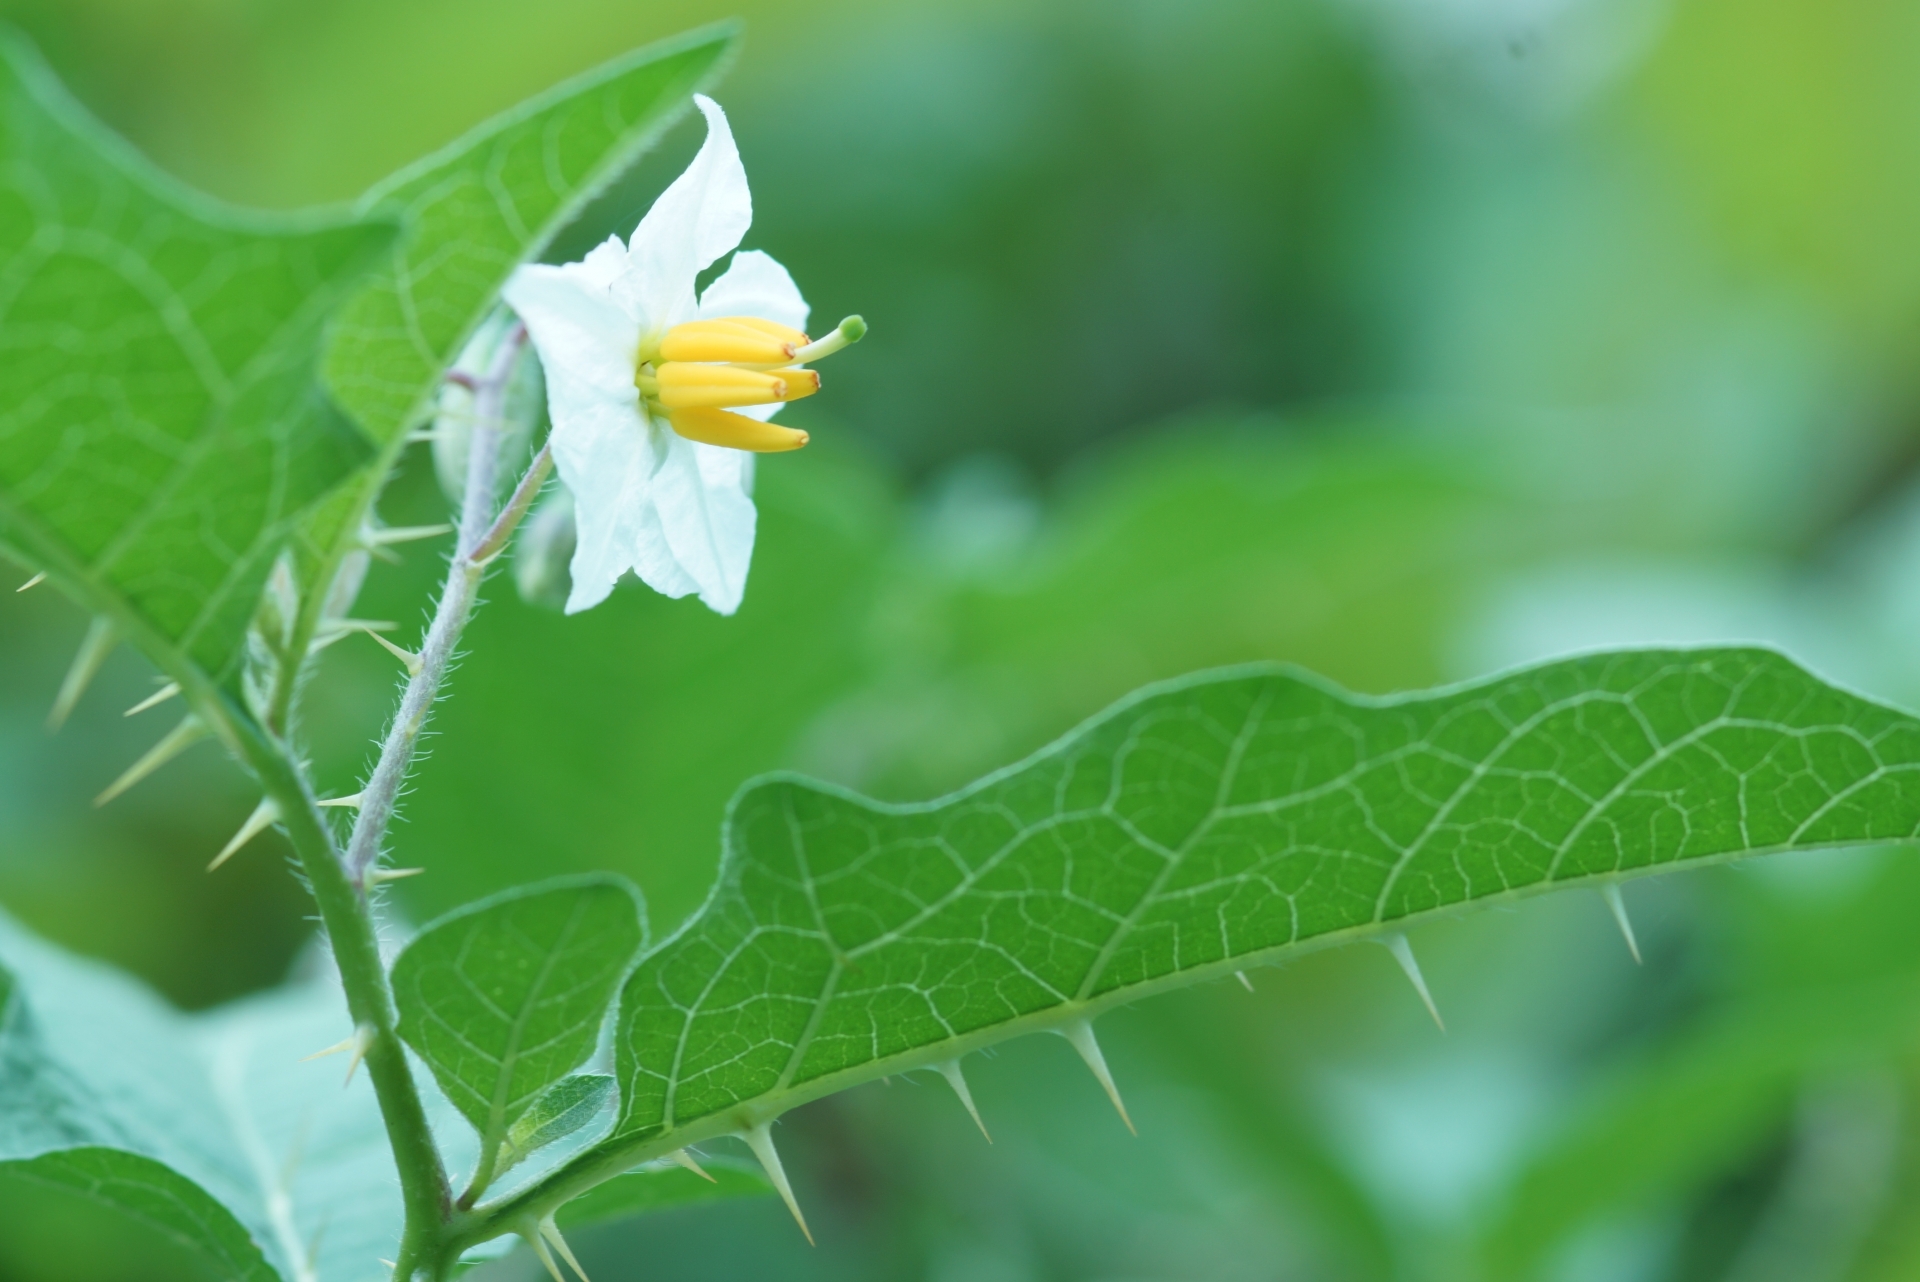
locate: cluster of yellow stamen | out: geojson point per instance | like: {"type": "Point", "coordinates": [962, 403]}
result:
{"type": "Point", "coordinates": [701, 371]}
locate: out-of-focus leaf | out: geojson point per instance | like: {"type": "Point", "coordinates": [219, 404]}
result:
{"type": "Point", "coordinates": [1205, 825]}
{"type": "Point", "coordinates": [505, 998]}
{"type": "Point", "coordinates": [156, 1195]}
{"type": "Point", "coordinates": [105, 1087]}
{"type": "Point", "coordinates": [162, 427]}
{"type": "Point", "coordinates": [1685, 1114]}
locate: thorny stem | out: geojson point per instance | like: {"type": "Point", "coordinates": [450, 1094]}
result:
{"type": "Point", "coordinates": [348, 917]}
{"type": "Point", "coordinates": [341, 882]}
{"type": "Point", "coordinates": [478, 530]}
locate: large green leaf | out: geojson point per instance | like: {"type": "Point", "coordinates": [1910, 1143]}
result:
{"type": "Point", "coordinates": [210, 1128]}
{"type": "Point", "coordinates": [148, 1191]}
{"type": "Point", "coordinates": [1204, 826]}
{"type": "Point", "coordinates": [505, 998]}
{"type": "Point", "coordinates": [161, 423]}
{"type": "Point", "coordinates": [488, 202]}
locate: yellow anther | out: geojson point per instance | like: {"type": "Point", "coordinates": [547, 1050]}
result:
{"type": "Point", "coordinates": [735, 431]}
{"type": "Point", "coordinates": [735, 340]}
{"type": "Point", "coordinates": [687, 385]}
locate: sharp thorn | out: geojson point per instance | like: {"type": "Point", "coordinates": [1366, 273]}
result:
{"type": "Point", "coordinates": [1245, 983]}
{"type": "Point", "coordinates": [680, 1157]}
{"type": "Point", "coordinates": [183, 736]}
{"type": "Point", "coordinates": [362, 1041]}
{"type": "Point", "coordinates": [154, 700]}
{"type": "Point", "coordinates": [378, 875]}
{"type": "Point", "coordinates": [1402, 951]}
{"type": "Point", "coordinates": [551, 1232]}
{"type": "Point", "coordinates": [263, 815]}
{"type": "Point", "coordinates": [1080, 1033]}
{"type": "Point", "coordinates": [331, 631]}
{"type": "Point", "coordinates": [334, 1049]}
{"type": "Point", "coordinates": [538, 1243]}
{"type": "Point", "coordinates": [93, 651]}
{"type": "Point", "coordinates": [352, 802]}
{"type": "Point", "coordinates": [403, 534]}
{"type": "Point", "coordinates": [34, 582]}
{"type": "Point", "coordinates": [760, 1140]}
{"type": "Point", "coordinates": [406, 657]}
{"type": "Point", "coordinates": [1618, 905]}
{"type": "Point", "coordinates": [951, 1071]}
{"type": "Point", "coordinates": [357, 1045]}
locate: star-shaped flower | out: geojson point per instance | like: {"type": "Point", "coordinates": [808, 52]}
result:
{"type": "Point", "coordinates": [660, 397]}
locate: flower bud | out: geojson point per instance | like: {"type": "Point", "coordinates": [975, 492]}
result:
{"type": "Point", "coordinates": [543, 551]}
{"type": "Point", "coordinates": [522, 405]}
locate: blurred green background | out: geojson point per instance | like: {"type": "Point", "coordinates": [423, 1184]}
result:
{"type": "Point", "coordinates": [1403, 339]}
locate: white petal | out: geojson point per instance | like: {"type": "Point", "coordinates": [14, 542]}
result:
{"type": "Point", "coordinates": [756, 285]}
{"type": "Point", "coordinates": [700, 217]}
{"type": "Point", "coordinates": [586, 340]}
{"type": "Point", "coordinates": [605, 263]}
{"type": "Point", "coordinates": [601, 442]}
{"type": "Point", "coordinates": [708, 520]}
{"type": "Point", "coordinates": [609, 469]}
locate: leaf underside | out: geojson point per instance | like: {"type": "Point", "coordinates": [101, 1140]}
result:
{"type": "Point", "coordinates": [161, 422]}
{"type": "Point", "coordinates": [1208, 824]}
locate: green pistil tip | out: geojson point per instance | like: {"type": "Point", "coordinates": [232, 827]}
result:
{"type": "Point", "coordinates": [853, 329]}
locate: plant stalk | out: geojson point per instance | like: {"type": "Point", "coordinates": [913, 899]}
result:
{"type": "Point", "coordinates": [478, 529]}
{"type": "Point", "coordinates": [347, 914]}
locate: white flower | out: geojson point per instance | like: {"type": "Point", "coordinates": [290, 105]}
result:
{"type": "Point", "coordinates": [643, 379]}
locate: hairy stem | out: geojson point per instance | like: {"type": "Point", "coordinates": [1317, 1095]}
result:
{"type": "Point", "coordinates": [457, 597]}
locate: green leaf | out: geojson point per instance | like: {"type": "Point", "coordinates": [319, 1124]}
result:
{"type": "Point", "coordinates": [486, 203]}
{"type": "Point", "coordinates": [1204, 826]}
{"type": "Point", "coordinates": [562, 1109]}
{"type": "Point", "coordinates": [161, 424]}
{"type": "Point", "coordinates": [93, 1065]}
{"type": "Point", "coordinates": [506, 997]}
{"type": "Point", "coordinates": [147, 1191]}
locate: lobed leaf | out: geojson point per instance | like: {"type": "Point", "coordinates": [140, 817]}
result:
{"type": "Point", "coordinates": [1207, 825]}
{"type": "Point", "coordinates": [505, 998]}
{"type": "Point", "coordinates": [162, 426]}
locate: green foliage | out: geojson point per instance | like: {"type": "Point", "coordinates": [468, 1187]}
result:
{"type": "Point", "coordinates": [507, 997]}
{"type": "Point", "coordinates": [1204, 826]}
{"type": "Point", "coordinates": [155, 1195]}
{"type": "Point", "coordinates": [162, 428]}
{"type": "Point", "coordinates": [193, 1124]}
